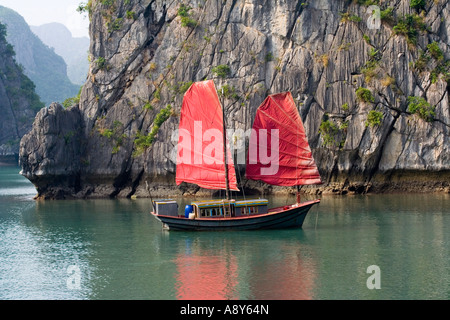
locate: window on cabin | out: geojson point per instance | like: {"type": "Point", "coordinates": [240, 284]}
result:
{"type": "Point", "coordinates": [253, 210]}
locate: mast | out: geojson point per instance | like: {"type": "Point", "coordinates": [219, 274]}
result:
{"type": "Point", "coordinates": [225, 149]}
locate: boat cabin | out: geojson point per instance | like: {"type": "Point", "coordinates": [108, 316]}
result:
{"type": "Point", "coordinates": [213, 208]}
{"type": "Point", "coordinates": [228, 208]}
{"type": "Point", "coordinates": [166, 207]}
{"type": "Point", "coordinates": [250, 207]}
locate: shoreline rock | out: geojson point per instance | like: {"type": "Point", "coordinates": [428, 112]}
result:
{"type": "Point", "coordinates": [400, 183]}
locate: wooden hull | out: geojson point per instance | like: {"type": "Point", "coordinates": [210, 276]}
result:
{"type": "Point", "coordinates": [285, 217]}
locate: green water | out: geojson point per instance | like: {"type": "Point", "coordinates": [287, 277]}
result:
{"type": "Point", "coordinates": [113, 249]}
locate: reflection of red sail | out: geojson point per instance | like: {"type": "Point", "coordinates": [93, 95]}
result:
{"type": "Point", "coordinates": [204, 277]}
{"type": "Point", "coordinates": [200, 157]}
{"type": "Point", "coordinates": [278, 116]}
{"type": "Point", "coordinates": [287, 279]}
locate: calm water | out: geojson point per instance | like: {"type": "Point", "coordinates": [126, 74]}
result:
{"type": "Point", "coordinates": [113, 249]}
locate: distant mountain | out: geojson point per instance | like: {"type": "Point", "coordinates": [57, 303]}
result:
{"type": "Point", "coordinates": [73, 50]}
{"type": "Point", "coordinates": [41, 64]}
{"type": "Point", "coordinates": [19, 102]}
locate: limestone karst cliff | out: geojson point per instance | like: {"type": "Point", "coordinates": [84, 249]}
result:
{"type": "Point", "coordinates": [370, 83]}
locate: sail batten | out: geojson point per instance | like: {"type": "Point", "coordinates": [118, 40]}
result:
{"type": "Point", "coordinates": [200, 154]}
{"type": "Point", "coordinates": [278, 118]}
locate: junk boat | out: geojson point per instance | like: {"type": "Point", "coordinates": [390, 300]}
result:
{"type": "Point", "coordinates": [277, 130]}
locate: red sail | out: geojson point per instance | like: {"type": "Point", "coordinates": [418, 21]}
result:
{"type": "Point", "coordinates": [279, 153]}
{"type": "Point", "coordinates": [200, 157]}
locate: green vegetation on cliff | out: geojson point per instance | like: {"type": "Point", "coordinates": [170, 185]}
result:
{"type": "Point", "coordinates": [19, 102]}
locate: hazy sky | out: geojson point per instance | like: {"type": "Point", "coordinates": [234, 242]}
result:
{"type": "Point", "coordinates": [38, 12]}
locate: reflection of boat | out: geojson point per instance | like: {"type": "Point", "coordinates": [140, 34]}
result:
{"type": "Point", "coordinates": [204, 159]}
{"type": "Point", "coordinates": [294, 278]}
{"type": "Point", "coordinates": [207, 277]}
{"type": "Point", "coordinates": [260, 265]}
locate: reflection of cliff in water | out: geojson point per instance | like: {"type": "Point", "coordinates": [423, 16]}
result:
{"type": "Point", "coordinates": [257, 265]}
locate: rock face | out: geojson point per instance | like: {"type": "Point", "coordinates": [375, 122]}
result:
{"type": "Point", "coordinates": [360, 81]}
{"type": "Point", "coordinates": [56, 146]}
